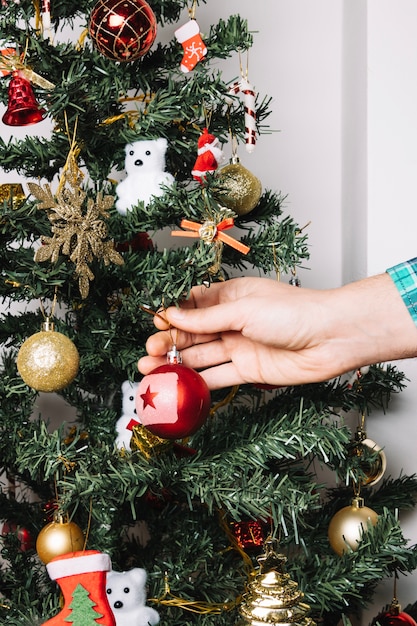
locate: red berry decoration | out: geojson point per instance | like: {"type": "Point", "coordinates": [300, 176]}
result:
{"type": "Point", "coordinates": [173, 401]}
{"type": "Point", "coordinates": [122, 30]}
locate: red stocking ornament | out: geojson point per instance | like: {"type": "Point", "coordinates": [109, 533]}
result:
{"type": "Point", "coordinates": [82, 578]}
{"type": "Point", "coordinates": [194, 48]}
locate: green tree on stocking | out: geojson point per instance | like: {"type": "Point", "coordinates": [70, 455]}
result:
{"type": "Point", "coordinates": [83, 613]}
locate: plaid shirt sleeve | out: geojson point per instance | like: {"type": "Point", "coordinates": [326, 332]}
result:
{"type": "Point", "coordinates": [404, 276]}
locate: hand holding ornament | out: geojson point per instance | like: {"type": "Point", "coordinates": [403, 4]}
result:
{"type": "Point", "coordinates": [258, 330]}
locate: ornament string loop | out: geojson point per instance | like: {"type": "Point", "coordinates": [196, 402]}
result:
{"type": "Point", "coordinates": [12, 62]}
{"type": "Point", "coordinates": [192, 9]}
{"type": "Point", "coordinates": [209, 231]}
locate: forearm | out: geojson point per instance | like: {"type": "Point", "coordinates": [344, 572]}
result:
{"type": "Point", "coordinates": [370, 323]}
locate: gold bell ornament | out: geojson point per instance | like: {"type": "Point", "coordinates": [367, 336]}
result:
{"type": "Point", "coordinates": [48, 360]}
{"type": "Point", "coordinates": [272, 597]}
{"type": "Point", "coordinates": [239, 189]}
{"type": "Point", "coordinates": [348, 525]}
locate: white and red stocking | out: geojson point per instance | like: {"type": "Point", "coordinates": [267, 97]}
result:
{"type": "Point", "coordinates": [195, 49]}
{"type": "Point", "coordinates": [82, 579]}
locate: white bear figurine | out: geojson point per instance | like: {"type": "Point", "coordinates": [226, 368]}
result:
{"type": "Point", "coordinates": [145, 169]}
{"type": "Point", "coordinates": [126, 593]}
{"type": "Point", "coordinates": [128, 413]}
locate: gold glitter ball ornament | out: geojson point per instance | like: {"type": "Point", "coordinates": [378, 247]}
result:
{"type": "Point", "coordinates": [59, 537]}
{"type": "Point", "coordinates": [48, 360]}
{"type": "Point", "coordinates": [348, 525]}
{"type": "Point", "coordinates": [272, 596]}
{"type": "Point", "coordinates": [239, 189]}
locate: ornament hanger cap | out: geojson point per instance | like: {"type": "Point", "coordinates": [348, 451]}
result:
{"type": "Point", "coordinates": [174, 356]}
{"type": "Point", "coordinates": [48, 325]}
{"type": "Point", "coordinates": [358, 502]}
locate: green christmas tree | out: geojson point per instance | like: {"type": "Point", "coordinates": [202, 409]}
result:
{"type": "Point", "coordinates": [69, 257]}
{"type": "Point", "coordinates": [82, 608]}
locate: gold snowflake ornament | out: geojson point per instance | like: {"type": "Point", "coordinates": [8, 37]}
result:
{"type": "Point", "coordinates": [78, 231]}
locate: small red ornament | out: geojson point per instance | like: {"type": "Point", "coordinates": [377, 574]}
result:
{"type": "Point", "coordinates": [122, 30]}
{"type": "Point", "coordinates": [248, 534]}
{"type": "Point", "coordinates": [22, 107]}
{"type": "Point", "coordinates": [22, 533]}
{"type": "Point", "coordinates": [173, 401]}
{"type": "Point", "coordinates": [141, 241]}
{"type": "Point", "coordinates": [394, 617]}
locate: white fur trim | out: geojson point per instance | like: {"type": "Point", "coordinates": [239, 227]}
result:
{"type": "Point", "coordinates": [188, 30]}
{"type": "Point", "coordinates": [208, 147]}
{"type": "Point", "coordinates": [79, 565]}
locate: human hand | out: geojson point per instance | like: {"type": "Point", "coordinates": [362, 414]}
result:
{"type": "Point", "coordinates": [257, 330]}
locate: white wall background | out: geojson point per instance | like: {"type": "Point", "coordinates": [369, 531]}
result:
{"type": "Point", "coordinates": [342, 75]}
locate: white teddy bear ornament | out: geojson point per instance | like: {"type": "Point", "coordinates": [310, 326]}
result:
{"type": "Point", "coordinates": [126, 593]}
{"type": "Point", "coordinates": [124, 435]}
{"type": "Point", "coordinates": [145, 169]}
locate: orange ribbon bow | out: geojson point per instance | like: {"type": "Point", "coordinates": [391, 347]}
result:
{"type": "Point", "coordinates": [210, 231]}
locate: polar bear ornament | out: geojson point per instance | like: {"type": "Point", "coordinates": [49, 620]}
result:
{"type": "Point", "coordinates": [145, 174]}
{"type": "Point", "coordinates": [126, 593]}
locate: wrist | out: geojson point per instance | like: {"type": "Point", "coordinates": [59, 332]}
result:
{"type": "Point", "coordinates": [374, 324]}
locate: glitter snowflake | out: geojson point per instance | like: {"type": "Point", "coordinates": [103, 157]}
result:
{"type": "Point", "coordinates": [78, 228]}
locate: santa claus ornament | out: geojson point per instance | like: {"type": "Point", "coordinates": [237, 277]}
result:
{"type": "Point", "coordinates": [173, 401]}
{"type": "Point", "coordinates": [209, 155]}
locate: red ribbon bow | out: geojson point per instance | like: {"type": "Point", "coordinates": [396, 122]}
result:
{"type": "Point", "coordinates": [210, 231]}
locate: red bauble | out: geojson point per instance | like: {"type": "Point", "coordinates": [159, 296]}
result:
{"type": "Point", "coordinates": [173, 401]}
{"type": "Point", "coordinates": [22, 533]}
{"type": "Point", "coordinates": [122, 30]}
{"type": "Point", "coordinates": [393, 618]}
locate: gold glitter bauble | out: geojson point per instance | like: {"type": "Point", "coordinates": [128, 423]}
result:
{"type": "Point", "coordinates": [57, 538]}
{"type": "Point", "coordinates": [348, 525]}
{"type": "Point", "coordinates": [48, 360]}
{"type": "Point", "coordinates": [240, 190]}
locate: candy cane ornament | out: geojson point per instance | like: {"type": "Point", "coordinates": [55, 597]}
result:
{"type": "Point", "coordinates": [249, 95]}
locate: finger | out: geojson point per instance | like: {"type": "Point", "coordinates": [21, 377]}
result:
{"type": "Point", "coordinates": [214, 319]}
{"type": "Point", "coordinates": [221, 376]}
{"type": "Point", "coordinates": [148, 363]}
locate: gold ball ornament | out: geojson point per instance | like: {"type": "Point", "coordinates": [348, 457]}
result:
{"type": "Point", "coordinates": [59, 537]}
{"type": "Point", "coordinates": [348, 525]}
{"type": "Point", "coordinates": [239, 189]}
{"type": "Point", "coordinates": [48, 360]}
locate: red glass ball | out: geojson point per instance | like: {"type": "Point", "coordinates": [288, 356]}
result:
{"type": "Point", "coordinates": [24, 536]}
{"type": "Point", "coordinates": [173, 401]}
{"type": "Point", "coordinates": [122, 30]}
{"type": "Point", "coordinates": [389, 618]}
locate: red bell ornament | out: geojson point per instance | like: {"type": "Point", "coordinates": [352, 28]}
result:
{"type": "Point", "coordinates": [173, 401]}
{"type": "Point", "coordinates": [22, 107]}
{"type": "Point", "coordinates": [122, 30]}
